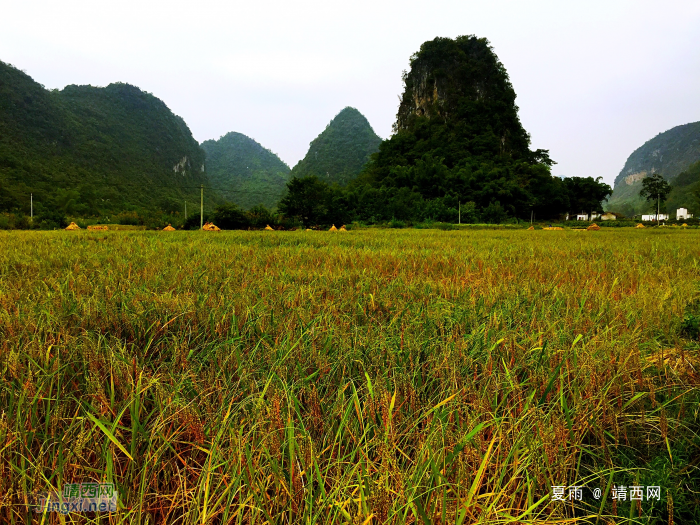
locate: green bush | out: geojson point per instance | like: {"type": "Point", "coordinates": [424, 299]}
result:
{"type": "Point", "coordinates": [691, 321]}
{"type": "Point", "coordinates": [51, 220]}
{"type": "Point", "coordinates": [230, 217]}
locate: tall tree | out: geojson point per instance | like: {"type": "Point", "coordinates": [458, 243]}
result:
{"type": "Point", "coordinates": [306, 199]}
{"type": "Point", "coordinates": [586, 193]}
{"type": "Point", "coordinates": [655, 188]}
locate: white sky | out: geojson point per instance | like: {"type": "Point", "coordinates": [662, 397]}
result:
{"type": "Point", "coordinates": [594, 79]}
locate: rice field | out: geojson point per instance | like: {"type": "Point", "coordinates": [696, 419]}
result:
{"type": "Point", "coordinates": [374, 376]}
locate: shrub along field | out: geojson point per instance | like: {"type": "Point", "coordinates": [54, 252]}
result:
{"type": "Point", "coordinates": [376, 376]}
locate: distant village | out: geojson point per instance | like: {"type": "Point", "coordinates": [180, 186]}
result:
{"type": "Point", "coordinates": [681, 215]}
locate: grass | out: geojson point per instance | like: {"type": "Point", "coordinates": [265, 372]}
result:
{"type": "Point", "coordinates": [375, 376]}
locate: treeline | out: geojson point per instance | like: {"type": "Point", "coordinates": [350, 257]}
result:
{"type": "Point", "coordinates": [440, 198]}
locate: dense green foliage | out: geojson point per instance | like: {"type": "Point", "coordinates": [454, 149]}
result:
{"type": "Point", "coordinates": [89, 151]}
{"type": "Point", "coordinates": [669, 153]}
{"type": "Point", "coordinates": [458, 138]}
{"type": "Point", "coordinates": [586, 194]}
{"type": "Point", "coordinates": [307, 199]}
{"type": "Point", "coordinates": [314, 202]}
{"type": "Point", "coordinates": [244, 172]}
{"type": "Point", "coordinates": [340, 152]}
{"type": "Point", "coordinates": [685, 191]}
{"type": "Point", "coordinates": [419, 377]}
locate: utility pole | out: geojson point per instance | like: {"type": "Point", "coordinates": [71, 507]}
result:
{"type": "Point", "coordinates": [185, 210]}
{"type": "Point", "coordinates": [460, 212]}
{"type": "Point", "coordinates": [31, 207]}
{"type": "Point", "coordinates": [201, 209]}
{"type": "Point", "coordinates": [658, 198]}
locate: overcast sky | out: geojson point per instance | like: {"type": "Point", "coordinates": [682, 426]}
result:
{"type": "Point", "coordinates": [594, 79]}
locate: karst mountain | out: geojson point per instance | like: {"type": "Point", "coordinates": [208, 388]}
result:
{"type": "Point", "coordinates": [341, 151]}
{"type": "Point", "coordinates": [244, 172]}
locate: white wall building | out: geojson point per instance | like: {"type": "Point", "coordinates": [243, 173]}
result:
{"type": "Point", "coordinates": [586, 217]}
{"type": "Point", "coordinates": [682, 214]}
{"type": "Point", "coordinates": [652, 217]}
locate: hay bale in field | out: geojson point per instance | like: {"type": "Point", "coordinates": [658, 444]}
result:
{"type": "Point", "coordinates": [169, 228]}
{"type": "Point", "coordinates": [684, 225]}
{"type": "Point", "coordinates": [72, 226]}
{"type": "Point", "coordinates": [553, 228]}
{"type": "Point", "coordinates": [333, 228]}
{"type": "Point", "coordinates": [531, 228]}
{"type": "Point", "coordinates": [309, 229]}
{"type": "Point", "coordinates": [98, 227]}
{"type": "Point", "coordinates": [268, 228]}
{"type": "Point", "coordinates": [640, 225]}
{"type": "Point", "coordinates": [593, 227]}
{"type": "Point", "coordinates": [342, 229]}
{"type": "Point", "coordinates": [211, 227]}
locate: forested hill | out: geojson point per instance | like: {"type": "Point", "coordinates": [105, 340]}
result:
{"type": "Point", "coordinates": [86, 150]}
{"type": "Point", "coordinates": [340, 152]}
{"type": "Point", "coordinates": [685, 192]}
{"type": "Point", "coordinates": [458, 138]}
{"type": "Point", "coordinates": [245, 172]}
{"type": "Point", "coordinates": [669, 153]}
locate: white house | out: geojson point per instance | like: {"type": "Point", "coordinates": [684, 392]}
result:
{"type": "Point", "coordinates": [608, 217]}
{"type": "Point", "coordinates": [585, 216]}
{"type": "Point", "coordinates": [682, 214]}
{"type": "Point", "coordinates": [652, 217]}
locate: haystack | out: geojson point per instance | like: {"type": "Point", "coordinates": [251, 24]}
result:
{"type": "Point", "coordinates": [553, 228]}
{"type": "Point", "coordinates": [72, 226]}
{"type": "Point", "coordinates": [169, 228]}
{"type": "Point", "coordinates": [684, 225]}
{"type": "Point", "coordinates": [268, 228]}
{"type": "Point", "coordinates": [211, 227]}
{"type": "Point", "coordinates": [594, 227]}
{"type": "Point", "coordinates": [333, 228]}
{"type": "Point", "coordinates": [640, 225]}
{"type": "Point", "coordinates": [342, 229]}
{"type": "Point", "coordinates": [98, 227]}
{"type": "Point", "coordinates": [531, 228]}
